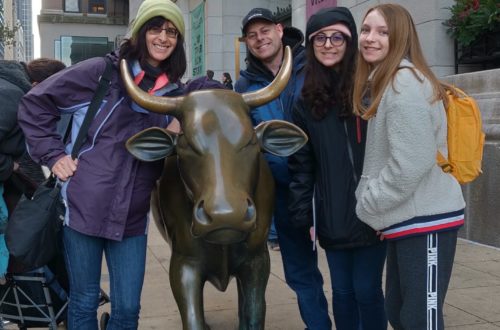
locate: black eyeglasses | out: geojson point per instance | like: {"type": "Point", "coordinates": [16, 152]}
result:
{"type": "Point", "coordinates": [336, 39]}
{"type": "Point", "coordinates": [171, 32]}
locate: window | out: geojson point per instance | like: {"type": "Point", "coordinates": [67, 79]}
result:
{"type": "Point", "coordinates": [75, 49]}
{"type": "Point", "coordinates": [97, 6]}
{"type": "Point", "coordinates": [72, 6]}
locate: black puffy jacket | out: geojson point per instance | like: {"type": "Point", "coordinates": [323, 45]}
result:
{"type": "Point", "coordinates": [14, 83]}
{"type": "Point", "coordinates": [323, 165]}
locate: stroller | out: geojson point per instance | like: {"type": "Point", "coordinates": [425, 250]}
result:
{"type": "Point", "coordinates": [38, 298]}
{"type": "Point", "coordinates": [33, 299]}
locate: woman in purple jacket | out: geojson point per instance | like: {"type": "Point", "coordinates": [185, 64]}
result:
{"type": "Point", "coordinates": [106, 190]}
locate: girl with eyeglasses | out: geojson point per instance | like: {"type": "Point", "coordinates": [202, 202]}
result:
{"type": "Point", "coordinates": [326, 171]}
{"type": "Point", "coordinates": [106, 190]}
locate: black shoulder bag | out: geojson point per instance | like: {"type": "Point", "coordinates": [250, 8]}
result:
{"type": "Point", "coordinates": [32, 233]}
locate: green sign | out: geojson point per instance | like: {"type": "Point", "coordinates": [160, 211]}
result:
{"type": "Point", "coordinates": [198, 40]}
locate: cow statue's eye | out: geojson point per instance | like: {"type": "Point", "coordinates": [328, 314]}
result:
{"type": "Point", "coordinates": [186, 145]}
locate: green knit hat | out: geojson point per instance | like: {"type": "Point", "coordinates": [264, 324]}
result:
{"type": "Point", "coordinates": [152, 8]}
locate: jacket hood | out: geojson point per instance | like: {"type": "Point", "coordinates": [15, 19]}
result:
{"type": "Point", "coordinates": [330, 16]}
{"type": "Point", "coordinates": [292, 37]}
{"type": "Point", "coordinates": [14, 72]}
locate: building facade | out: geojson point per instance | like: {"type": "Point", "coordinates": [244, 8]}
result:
{"type": "Point", "coordinates": [24, 16]}
{"type": "Point", "coordinates": [71, 30]}
{"type": "Point", "coordinates": [2, 24]}
{"type": "Point", "coordinates": [16, 15]}
{"type": "Point", "coordinates": [223, 52]}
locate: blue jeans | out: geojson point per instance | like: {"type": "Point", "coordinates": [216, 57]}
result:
{"type": "Point", "coordinates": [357, 297]}
{"type": "Point", "coordinates": [126, 262]}
{"type": "Point", "coordinates": [273, 235]}
{"type": "Point", "coordinates": [300, 265]}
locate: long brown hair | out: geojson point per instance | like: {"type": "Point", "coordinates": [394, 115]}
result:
{"type": "Point", "coordinates": [324, 87]}
{"type": "Point", "coordinates": [403, 43]}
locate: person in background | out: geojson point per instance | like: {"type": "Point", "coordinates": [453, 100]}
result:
{"type": "Point", "coordinates": [227, 81]}
{"type": "Point", "coordinates": [326, 170]}
{"type": "Point", "coordinates": [265, 39]}
{"type": "Point", "coordinates": [38, 70]}
{"type": "Point", "coordinates": [106, 190]}
{"type": "Point", "coordinates": [403, 193]}
{"type": "Point", "coordinates": [17, 171]}
{"type": "Point", "coordinates": [41, 68]}
{"type": "Point", "coordinates": [202, 83]}
{"type": "Point", "coordinates": [210, 75]}
{"type": "Point", "coordinates": [14, 83]}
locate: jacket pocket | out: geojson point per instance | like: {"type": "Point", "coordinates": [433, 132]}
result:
{"type": "Point", "coordinates": [362, 185]}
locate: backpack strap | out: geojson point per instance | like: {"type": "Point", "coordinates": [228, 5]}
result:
{"type": "Point", "coordinates": [102, 88]}
{"type": "Point", "coordinates": [443, 163]}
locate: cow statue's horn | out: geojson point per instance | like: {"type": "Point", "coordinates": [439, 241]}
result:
{"type": "Point", "coordinates": [271, 91]}
{"type": "Point", "coordinates": [158, 104]}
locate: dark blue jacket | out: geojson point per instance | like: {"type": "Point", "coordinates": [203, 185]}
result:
{"type": "Point", "coordinates": [257, 76]}
{"type": "Point", "coordinates": [109, 194]}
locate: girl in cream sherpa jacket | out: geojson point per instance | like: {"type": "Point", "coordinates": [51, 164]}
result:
{"type": "Point", "coordinates": [402, 190]}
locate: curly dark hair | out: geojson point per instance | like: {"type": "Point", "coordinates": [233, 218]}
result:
{"type": "Point", "coordinates": [324, 87]}
{"type": "Point", "coordinates": [136, 48]}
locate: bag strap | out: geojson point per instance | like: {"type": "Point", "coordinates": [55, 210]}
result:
{"type": "Point", "coordinates": [451, 91]}
{"type": "Point", "coordinates": [102, 88]}
{"type": "Point", "coordinates": [67, 131]}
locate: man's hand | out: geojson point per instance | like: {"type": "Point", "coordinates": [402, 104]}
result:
{"type": "Point", "coordinates": [65, 167]}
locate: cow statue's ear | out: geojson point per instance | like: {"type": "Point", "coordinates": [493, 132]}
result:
{"type": "Point", "coordinates": [152, 144]}
{"type": "Point", "coordinates": [280, 138]}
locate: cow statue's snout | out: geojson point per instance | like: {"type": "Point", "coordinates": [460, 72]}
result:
{"type": "Point", "coordinates": [220, 221]}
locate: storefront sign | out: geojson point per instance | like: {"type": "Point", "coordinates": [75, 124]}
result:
{"type": "Point", "coordinates": [198, 40]}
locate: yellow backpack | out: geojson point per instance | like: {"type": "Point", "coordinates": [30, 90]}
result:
{"type": "Point", "coordinates": [465, 137]}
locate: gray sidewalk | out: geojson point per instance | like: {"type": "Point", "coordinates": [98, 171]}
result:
{"type": "Point", "coordinates": [472, 303]}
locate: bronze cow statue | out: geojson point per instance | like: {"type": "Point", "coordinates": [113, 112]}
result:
{"type": "Point", "coordinates": [214, 202]}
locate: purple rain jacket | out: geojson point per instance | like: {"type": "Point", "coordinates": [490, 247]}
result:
{"type": "Point", "coordinates": [109, 194]}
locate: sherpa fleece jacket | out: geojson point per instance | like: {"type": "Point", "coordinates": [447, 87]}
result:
{"type": "Point", "coordinates": [401, 179]}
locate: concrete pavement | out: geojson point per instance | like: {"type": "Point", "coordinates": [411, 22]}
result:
{"type": "Point", "coordinates": [472, 303]}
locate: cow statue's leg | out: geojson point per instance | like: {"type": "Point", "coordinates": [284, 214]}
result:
{"type": "Point", "coordinates": [252, 279]}
{"type": "Point", "coordinates": [187, 286]}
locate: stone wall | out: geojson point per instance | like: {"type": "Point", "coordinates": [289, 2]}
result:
{"type": "Point", "coordinates": [482, 195]}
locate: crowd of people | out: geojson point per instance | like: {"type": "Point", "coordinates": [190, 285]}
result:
{"type": "Point", "coordinates": [360, 93]}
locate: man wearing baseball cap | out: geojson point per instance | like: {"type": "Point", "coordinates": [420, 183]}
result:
{"type": "Point", "coordinates": [265, 39]}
